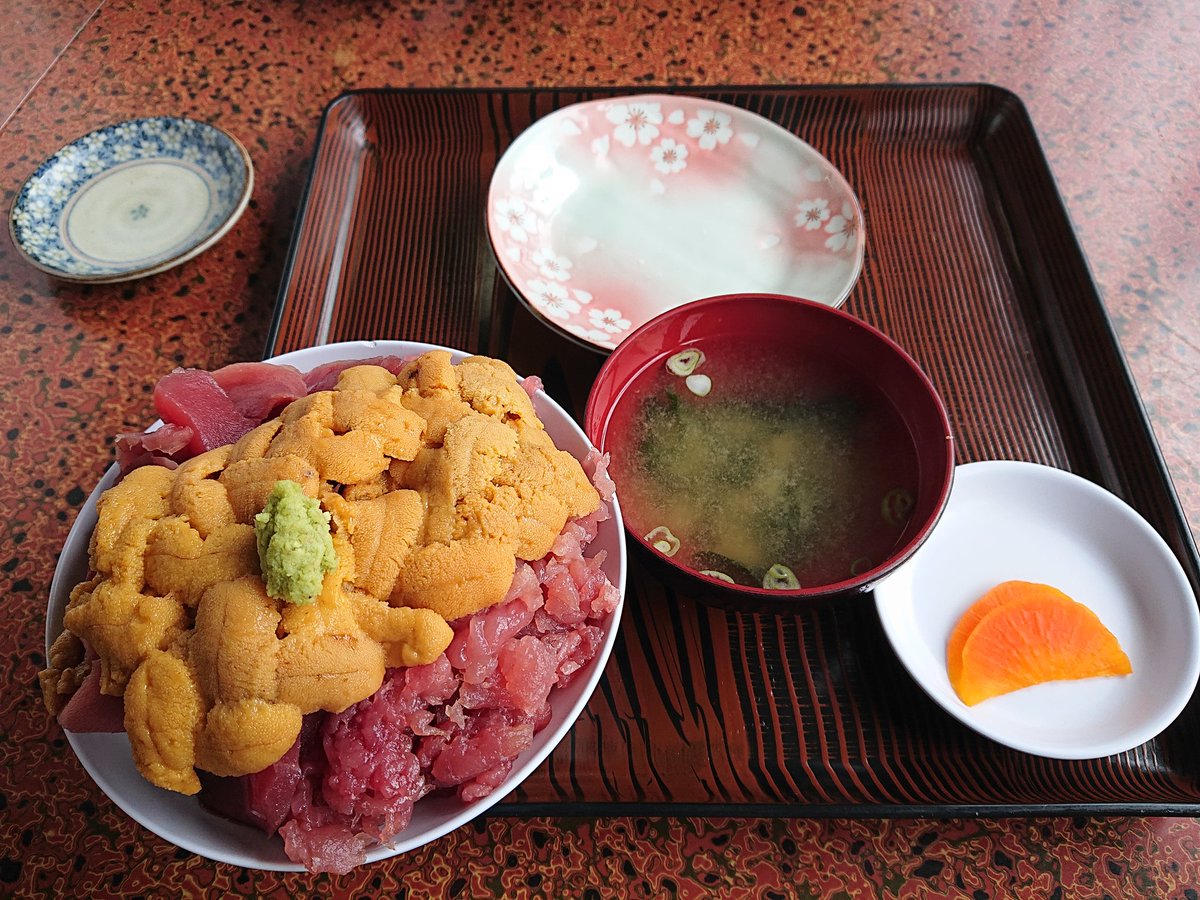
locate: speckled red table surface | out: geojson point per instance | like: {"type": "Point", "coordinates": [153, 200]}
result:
{"type": "Point", "coordinates": [1111, 89]}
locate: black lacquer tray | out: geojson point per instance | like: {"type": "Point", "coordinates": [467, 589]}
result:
{"type": "Point", "coordinates": [971, 264]}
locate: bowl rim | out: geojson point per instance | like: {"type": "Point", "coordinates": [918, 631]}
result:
{"type": "Point", "coordinates": [205, 241]}
{"type": "Point", "coordinates": [596, 421]}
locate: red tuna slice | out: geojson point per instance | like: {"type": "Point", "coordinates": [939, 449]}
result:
{"type": "Point", "coordinates": [494, 736]}
{"type": "Point", "coordinates": [160, 447]}
{"type": "Point", "coordinates": [373, 778]}
{"type": "Point", "coordinates": [431, 683]}
{"type": "Point", "coordinates": [476, 643]}
{"type": "Point", "coordinates": [263, 799]}
{"type": "Point", "coordinates": [327, 847]}
{"type": "Point", "coordinates": [271, 790]}
{"type": "Point", "coordinates": [88, 710]}
{"type": "Point", "coordinates": [598, 462]}
{"type": "Point", "coordinates": [529, 670]}
{"type": "Point", "coordinates": [324, 377]}
{"type": "Point", "coordinates": [593, 585]}
{"type": "Point", "coordinates": [486, 782]}
{"type": "Point", "coordinates": [563, 599]}
{"type": "Point", "coordinates": [578, 533]}
{"type": "Point", "coordinates": [193, 398]}
{"type": "Point", "coordinates": [259, 389]}
{"type": "Point", "coordinates": [572, 649]}
{"type": "Point", "coordinates": [532, 385]}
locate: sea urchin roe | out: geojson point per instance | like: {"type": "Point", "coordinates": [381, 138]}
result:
{"type": "Point", "coordinates": [294, 545]}
{"type": "Point", "coordinates": [430, 528]}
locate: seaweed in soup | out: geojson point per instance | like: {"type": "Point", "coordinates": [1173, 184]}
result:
{"type": "Point", "coordinates": [762, 478]}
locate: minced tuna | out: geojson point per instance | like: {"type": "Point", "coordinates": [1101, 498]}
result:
{"type": "Point", "coordinates": [457, 724]}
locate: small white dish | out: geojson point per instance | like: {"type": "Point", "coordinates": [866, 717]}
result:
{"type": "Point", "coordinates": [183, 821]}
{"type": "Point", "coordinates": [1015, 520]}
{"type": "Point", "coordinates": [606, 213]}
{"type": "Point", "coordinates": [132, 199]}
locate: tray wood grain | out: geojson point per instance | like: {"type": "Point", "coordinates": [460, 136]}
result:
{"type": "Point", "coordinates": [971, 264]}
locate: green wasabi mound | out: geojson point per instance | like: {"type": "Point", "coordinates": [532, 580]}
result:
{"type": "Point", "coordinates": [295, 549]}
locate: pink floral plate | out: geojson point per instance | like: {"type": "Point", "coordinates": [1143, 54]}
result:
{"type": "Point", "coordinates": [604, 214]}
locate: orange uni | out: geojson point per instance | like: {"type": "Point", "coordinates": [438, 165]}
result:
{"type": "Point", "coordinates": [1020, 634]}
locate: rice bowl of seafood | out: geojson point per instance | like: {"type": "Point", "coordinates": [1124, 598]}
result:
{"type": "Point", "coordinates": [330, 610]}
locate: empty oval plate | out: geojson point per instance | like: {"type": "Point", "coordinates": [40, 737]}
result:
{"type": "Point", "coordinates": [132, 199]}
{"type": "Point", "coordinates": [1016, 520]}
{"type": "Point", "coordinates": [604, 214]}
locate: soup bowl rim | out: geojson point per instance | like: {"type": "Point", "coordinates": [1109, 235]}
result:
{"type": "Point", "coordinates": [598, 415]}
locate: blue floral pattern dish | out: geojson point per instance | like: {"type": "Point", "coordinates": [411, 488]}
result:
{"type": "Point", "coordinates": [132, 199]}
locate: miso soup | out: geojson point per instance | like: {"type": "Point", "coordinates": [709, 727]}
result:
{"type": "Point", "coordinates": [763, 468]}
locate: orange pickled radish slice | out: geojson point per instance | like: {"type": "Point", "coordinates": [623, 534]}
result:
{"type": "Point", "coordinates": [1032, 634]}
{"type": "Point", "coordinates": [997, 596]}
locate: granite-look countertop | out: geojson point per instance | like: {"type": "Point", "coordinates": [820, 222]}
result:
{"type": "Point", "coordinates": [1112, 91]}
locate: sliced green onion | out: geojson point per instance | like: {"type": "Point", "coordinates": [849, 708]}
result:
{"type": "Point", "coordinates": [780, 578]}
{"type": "Point", "coordinates": [663, 541]}
{"type": "Point", "coordinates": [897, 506]}
{"type": "Point", "coordinates": [720, 576]}
{"type": "Point", "coordinates": [684, 362]}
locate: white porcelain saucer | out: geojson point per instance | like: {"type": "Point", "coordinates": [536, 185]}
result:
{"type": "Point", "coordinates": [1019, 521]}
{"type": "Point", "coordinates": [604, 214]}
{"type": "Point", "coordinates": [132, 199]}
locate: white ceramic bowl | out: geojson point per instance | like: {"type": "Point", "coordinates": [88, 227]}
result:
{"type": "Point", "coordinates": [604, 214]}
{"type": "Point", "coordinates": [132, 199]}
{"type": "Point", "coordinates": [1019, 521]}
{"type": "Point", "coordinates": [182, 821]}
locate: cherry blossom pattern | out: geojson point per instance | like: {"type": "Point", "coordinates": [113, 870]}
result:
{"type": "Point", "coordinates": [597, 336]}
{"type": "Point", "coordinates": [550, 298]}
{"type": "Point", "coordinates": [609, 320]}
{"type": "Point", "coordinates": [514, 217]}
{"type": "Point", "coordinates": [648, 146]}
{"type": "Point", "coordinates": [669, 156]}
{"type": "Point", "coordinates": [637, 123]}
{"type": "Point", "coordinates": [552, 266]}
{"type": "Point", "coordinates": [814, 173]}
{"type": "Point", "coordinates": [842, 230]}
{"type": "Point", "coordinates": [813, 214]}
{"type": "Point", "coordinates": [710, 128]}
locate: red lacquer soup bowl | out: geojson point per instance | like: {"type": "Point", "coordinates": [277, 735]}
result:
{"type": "Point", "coordinates": [774, 449]}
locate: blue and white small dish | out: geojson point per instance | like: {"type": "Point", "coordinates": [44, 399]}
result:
{"type": "Point", "coordinates": [132, 199]}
